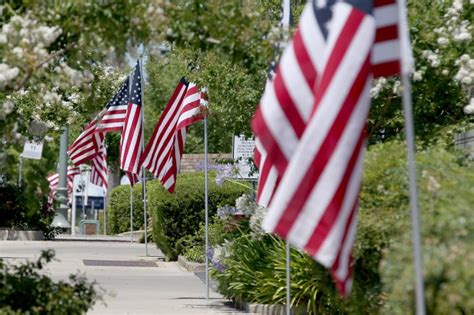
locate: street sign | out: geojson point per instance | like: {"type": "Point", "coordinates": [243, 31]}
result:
{"type": "Point", "coordinates": [242, 150]}
{"type": "Point", "coordinates": [32, 150]}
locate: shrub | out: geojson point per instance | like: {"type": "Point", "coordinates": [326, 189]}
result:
{"type": "Point", "coordinates": [447, 227]}
{"type": "Point", "coordinates": [118, 210]}
{"type": "Point", "coordinates": [180, 214]}
{"type": "Point", "coordinates": [19, 213]}
{"type": "Point", "coordinates": [25, 289]}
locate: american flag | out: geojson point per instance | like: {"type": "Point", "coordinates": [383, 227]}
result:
{"type": "Point", "coordinates": [112, 118]}
{"type": "Point", "coordinates": [310, 126]}
{"type": "Point", "coordinates": [99, 169]}
{"type": "Point", "coordinates": [164, 150]}
{"type": "Point", "coordinates": [87, 145]}
{"type": "Point", "coordinates": [53, 180]}
{"type": "Point", "coordinates": [131, 138]}
{"type": "Point", "coordinates": [133, 178]}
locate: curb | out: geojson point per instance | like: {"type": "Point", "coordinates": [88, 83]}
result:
{"type": "Point", "coordinates": [191, 266]}
{"type": "Point", "coordinates": [266, 309]}
{"type": "Point", "coordinates": [79, 238]}
{"type": "Point", "coordinates": [20, 235]}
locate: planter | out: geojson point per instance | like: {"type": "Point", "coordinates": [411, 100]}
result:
{"type": "Point", "coordinates": [20, 235]}
{"type": "Point", "coordinates": [191, 266]}
{"type": "Point", "coordinates": [267, 309]}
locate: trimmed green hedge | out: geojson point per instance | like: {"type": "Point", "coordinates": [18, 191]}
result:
{"type": "Point", "coordinates": [178, 215]}
{"type": "Point", "coordinates": [118, 210]}
{"type": "Point", "coordinates": [174, 216]}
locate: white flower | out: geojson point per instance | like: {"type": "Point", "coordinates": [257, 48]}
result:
{"type": "Point", "coordinates": [443, 41]}
{"type": "Point", "coordinates": [417, 75]}
{"type": "Point", "coordinates": [48, 138]}
{"type": "Point", "coordinates": [445, 72]}
{"type": "Point", "coordinates": [51, 97]}
{"type": "Point", "coordinates": [3, 38]}
{"type": "Point", "coordinates": [466, 80]}
{"type": "Point", "coordinates": [18, 51]}
{"type": "Point", "coordinates": [74, 98]}
{"type": "Point", "coordinates": [377, 88]}
{"type": "Point", "coordinates": [469, 109]}
{"type": "Point", "coordinates": [7, 29]}
{"type": "Point", "coordinates": [12, 73]}
{"type": "Point", "coordinates": [397, 88]}
{"type": "Point", "coordinates": [8, 107]}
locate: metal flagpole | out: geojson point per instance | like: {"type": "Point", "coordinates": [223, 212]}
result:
{"type": "Point", "coordinates": [105, 215]}
{"type": "Point", "coordinates": [410, 137]}
{"type": "Point", "coordinates": [20, 170]}
{"type": "Point", "coordinates": [206, 193]}
{"type": "Point", "coordinates": [131, 213]}
{"type": "Point", "coordinates": [143, 149]}
{"type": "Point", "coordinates": [286, 20]}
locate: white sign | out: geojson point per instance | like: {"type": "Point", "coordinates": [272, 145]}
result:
{"type": "Point", "coordinates": [32, 150]}
{"type": "Point", "coordinates": [242, 150]}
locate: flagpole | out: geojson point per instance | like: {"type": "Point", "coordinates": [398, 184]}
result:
{"type": "Point", "coordinates": [411, 163]}
{"type": "Point", "coordinates": [131, 213]}
{"type": "Point", "coordinates": [105, 216]}
{"type": "Point", "coordinates": [286, 20]}
{"type": "Point", "coordinates": [206, 215]}
{"type": "Point", "coordinates": [143, 149]}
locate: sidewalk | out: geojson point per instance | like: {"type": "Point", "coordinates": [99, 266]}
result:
{"type": "Point", "coordinates": [164, 289]}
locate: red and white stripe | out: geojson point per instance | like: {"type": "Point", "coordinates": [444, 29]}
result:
{"type": "Point", "coordinates": [131, 140]}
{"type": "Point", "coordinates": [310, 130]}
{"type": "Point", "coordinates": [133, 178]}
{"type": "Point", "coordinates": [99, 170]}
{"type": "Point", "coordinates": [87, 145]}
{"type": "Point", "coordinates": [165, 148]}
{"type": "Point", "coordinates": [53, 180]}
{"type": "Point", "coordinates": [157, 152]}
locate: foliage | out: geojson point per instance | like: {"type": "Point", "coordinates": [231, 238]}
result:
{"type": "Point", "coordinates": [118, 210]}
{"type": "Point", "coordinates": [443, 78]}
{"type": "Point", "coordinates": [26, 289]}
{"type": "Point", "coordinates": [446, 199]}
{"type": "Point", "coordinates": [14, 212]}
{"type": "Point", "coordinates": [252, 267]}
{"type": "Point", "coordinates": [179, 214]}
{"type": "Point", "coordinates": [193, 247]}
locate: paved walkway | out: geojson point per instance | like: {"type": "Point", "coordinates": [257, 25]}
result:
{"type": "Point", "coordinates": [165, 289]}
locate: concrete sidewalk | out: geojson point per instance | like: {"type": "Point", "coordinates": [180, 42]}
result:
{"type": "Point", "coordinates": [164, 289]}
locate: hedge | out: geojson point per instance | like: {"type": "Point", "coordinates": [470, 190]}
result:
{"type": "Point", "coordinates": [174, 216]}
{"type": "Point", "coordinates": [118, 210]}
{"type": "Point", "coordinates": [178, 215]}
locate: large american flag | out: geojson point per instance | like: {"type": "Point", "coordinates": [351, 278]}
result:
{"type": "Point", "coordinates": [112, 118]}
{"type": "Point", "coordinates": [131, 138]}
{"type": "Point", "coordinates": [310, 126]}
{"type": "Point", "coordinates": [164, 150]}
{"type": "Point", "coordinates": [99, 169]}
{"type": "Point", "coordinates": [87, 145]}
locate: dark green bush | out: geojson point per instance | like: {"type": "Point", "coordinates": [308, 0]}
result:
{"type": "Point", "coordinates": [118, 210]}
{"type": "Point", "coordinates": [180, 214]}
{"type": "Point", "coordinates": [25, 289]}
{"type": "Point", "coordinates": [19, 213]}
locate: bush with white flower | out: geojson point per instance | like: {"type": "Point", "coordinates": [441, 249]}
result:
{"type": "Point", "coordinates": [443, 78]}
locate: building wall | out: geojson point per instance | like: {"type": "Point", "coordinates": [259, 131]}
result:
{"type": "Point", "coordinates": [192, 162]}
